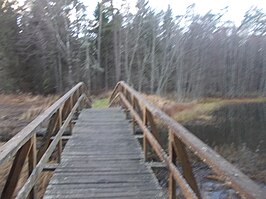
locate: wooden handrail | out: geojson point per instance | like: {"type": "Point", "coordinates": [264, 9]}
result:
{"type": "Point", "coordinates": [23, 145]}
{"type": "Point", "coordinates": [180, 140]}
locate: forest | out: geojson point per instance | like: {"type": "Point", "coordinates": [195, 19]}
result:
{"type": "Point", "coordinates": [46, 46]}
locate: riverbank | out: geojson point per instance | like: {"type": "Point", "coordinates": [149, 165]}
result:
{"type": "Point", "coordinates": [235, 128]}
{"type": "Point", "coordinates": [198, 109]}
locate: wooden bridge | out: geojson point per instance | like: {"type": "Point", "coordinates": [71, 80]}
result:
{"type": "Point", "coordinates": [97, 155]}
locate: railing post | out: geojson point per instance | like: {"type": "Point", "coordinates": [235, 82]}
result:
{"type": "Point", "coordinates": [46, 139]}
{"type": "Point", "coordinates": [15, 171]}
{"type": "Point", "coordinates": [71, 104]}
{"type": "Point", "coordinates": [126, 109]}
{"type": "Point", "coordinates": [121, 93]}
{"type": "Point", "coordinates": [181, 152]}
{"type": "Point", "coordinates": [145, 141]}
{"type": "Point", "coordinates": [32, 159]}
{"type": "Point", "coordinates": [77, 95]}
{"type": "Point", "coordinates": [154, 130]}
{"type": "Point", "coordinates": [59, 145]}
{"type": "Point", "coordinates": [133, 118]}
{"type": "Point", "coordinates": [172, 157]}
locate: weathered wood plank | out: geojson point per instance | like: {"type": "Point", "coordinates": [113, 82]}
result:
{"type": "Point", "coordinates": [102, 159]}
{"type": "Point", "coordinates": [15, 171]}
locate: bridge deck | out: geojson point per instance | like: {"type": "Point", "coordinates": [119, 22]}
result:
{"type": "Point", "coordinates": [103, 160]}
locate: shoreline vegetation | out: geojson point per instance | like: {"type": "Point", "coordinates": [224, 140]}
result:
{"type": "Point", "coordinates": [197, 109]}
{"type": "Point", "coordinates": [249, 162]}
{"type": "Point", "coordinates": [184, 111]}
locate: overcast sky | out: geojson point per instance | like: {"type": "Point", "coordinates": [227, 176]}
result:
{"type": "Point", "coordinates": [236, 8]}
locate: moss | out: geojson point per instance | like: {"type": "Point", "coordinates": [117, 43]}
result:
{"type": "Point", "coordinates": [100, 103]}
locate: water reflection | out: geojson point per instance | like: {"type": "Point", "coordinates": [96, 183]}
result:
{"type": "Point", "coordinates": [234, 124]}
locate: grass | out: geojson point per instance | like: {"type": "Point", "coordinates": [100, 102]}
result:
{"type": "Point", "coordinates": [100, 103]}
{"type": "Point", "coordinates": [251, 163]}
{"type": "Point", "coordinates": [197, 109]}
{"type": "Point", "coordinates": [16, 111]}
{"type": "Point", "coordinates": [203, 109]}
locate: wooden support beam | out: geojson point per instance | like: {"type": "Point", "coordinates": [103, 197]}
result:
{"type": "Point", "coordinates": [133, 119]}
{"type": "Point", "coordinates": [139, 136]}
{"type": "Point", "coordinates": [66, 137]}
{"type": "Point", "coordinates": [60, 145]}
{"type": "Point", "coordinates": [156, 164]}
{"type": "Point", "coordinates": [46, 139]}
{"type": "Point", "coordinates": [32, 161]}
{"type": "Point", "coordinates": [31, 181]}
{"type": "Point", "coordinates": [145, 140]}
{"type": "Point", "coordinates": [172, 157]}
{"type": "Point", "coordinates": [15, 171]}
{"type": "Point", "coordinates": [71, 123]}
{"type": "Point", "coordinates": [50, 166]}
{"type": "Point", "coordinates": [181, 152]}
{"type": "Point", "coordinates": [153, 126]}
{"type": "Point", "coordinates": [59, 150]}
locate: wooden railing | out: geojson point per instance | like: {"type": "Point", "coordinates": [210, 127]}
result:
{"type": "Point", "coordinates": [180, 141]}
{"type": "Point", "coordinates": [23, 146]}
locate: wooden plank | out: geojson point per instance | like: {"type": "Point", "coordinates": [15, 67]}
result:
{"type": "Point", "coordinates": [52, 128]}
{"type": "Point", "coordinates": [145, 140]}
{"type": "Point", "coordinates": [32, 159]}
{"type": "Point", "coordinates": [99, 190]}
{"type": "Point", "coordinates": [56, 187]}
{"type": "Point", "coordinates": [101, 196]}
{"type": "Point", "coordinates": [103, 160]}
{"type": "Point", "coordinates": [69, 193]}
{"type": "Point", "coordinates": [31, 181]}
{"type": "Point", "coordinates": [181, 152]}
{"type": "Point", "coordinates": [171, 180]}
{"type": "Point", "coordinates": [15, 171]}
{"type": "Point", "coordinates": [50, 167]}
{"type": "Point", "coordinates": [156, 164]}
{"type": "Point", "coordinates": [66, 137]}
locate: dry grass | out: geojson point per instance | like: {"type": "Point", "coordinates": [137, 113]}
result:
{"type": "Point", "coordinates": [38, 108]}
{"type": "Point", "coordinates": [16, 111]}
{"type": "Point", "coordinates": [245, 160]}
{"type": "Point", "coordinates": [196, 110]}
{"type": "Point", "coordinates": [202, 109]}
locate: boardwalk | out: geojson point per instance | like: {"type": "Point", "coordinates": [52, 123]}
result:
{"type": "Point", "coordinates": [103, 160]}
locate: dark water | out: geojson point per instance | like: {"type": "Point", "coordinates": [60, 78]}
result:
{"type": "Point", "coordinates": [236, 124]}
